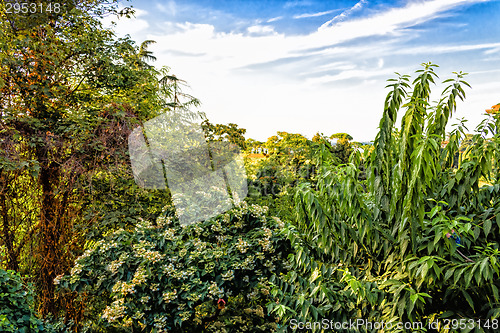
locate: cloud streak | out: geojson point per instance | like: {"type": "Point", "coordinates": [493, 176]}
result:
{"type": "Point", "coordinates": [274, 19]}
{"type": "Point", "coordinates": [308, 15]}
{"type": "Point", "coordinates": [342, 16]}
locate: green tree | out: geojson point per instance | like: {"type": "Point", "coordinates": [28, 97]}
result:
{"type": "Point", "coordinates": [251, 143]}
{"type": "Point", "coordinates": [342, 148]}
{"type": "Point", "coordinates": [229, 133]}
{"type": "Point", "coordinates": [420, 242]}
{"type": "Point", "coordinates": [341, 136]}
{"type": "Point", "coordinates": [70, 94]}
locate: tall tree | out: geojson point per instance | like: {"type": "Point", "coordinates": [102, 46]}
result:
{"type": "Point", "coordinates": [418, 241]}
{"type": "Point", "coordinates": [70, 94]}
{"type": "Point", "coordinates": [220, 132]}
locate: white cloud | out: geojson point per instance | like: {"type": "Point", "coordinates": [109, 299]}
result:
{"type": "Point", "coordinates": [274, 19]}
{"type": "Point", "coordinates": [411, 14]}
{"type": "Point", "coordinates": [265, 45]}
{"type": "Point", "coordinates": [263, 79]}
{"type": "Point", "coordinates": [331, 66]}
{"type": "Point", "coordinates": [494, 50]}
{"type": "Point", "coordinates": [344, 14]}
{"type": "Point", "coordinates": [170, 7]}
{"type": "Point", "coordinates": [433, 49]}
{"type": "Point", "coordinates": [351, 74]}
{"type": "Point", "coordinates": [307, 15]}
{"type": "Point", "coordinates": [261, 29]}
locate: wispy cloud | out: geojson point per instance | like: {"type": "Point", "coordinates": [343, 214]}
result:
{"type": "Point", "coordinates": [306, 15]}
{"type": "Point", "coordinates": [261, 43]}
{"type": "Point", "coordinates": [437, 49]}
{"type": "Point", "coordinates": [495, 50]}
{"type": "Point", "coordinates": [328, 67]}
{"type": "Point", "coordinates": [351, 74]}
{"type": "Point", "coordinates": [169, 7]}
{"type": "Point", "coordinates": [274, 19]}
{"type": "Point", "coordinates": [297, 3]}
{"type": "Point", "coordinates": [344, 14]}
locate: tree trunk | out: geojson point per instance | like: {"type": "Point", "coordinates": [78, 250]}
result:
{"type": "Point", "coordinates": [7, 236]}
{"type": "Point", "coordinates": [49, 252]}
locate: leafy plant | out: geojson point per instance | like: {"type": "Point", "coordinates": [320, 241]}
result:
{"type": "Point", "coordinates": [161, 276]}
{"type": "Point", "coordinates": [16, 305]}
{"type": "Point", "coordinates": [386, 249]}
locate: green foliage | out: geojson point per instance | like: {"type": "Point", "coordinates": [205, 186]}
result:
{"type": "Point", "coordinates": [294, 153]}
{"type": "Point", "coordinates": [220, 132]}
{"type": "Point", "coordinates": [271, 179]}
{"type": "Point", "coordinates": [379, 250]}
{"type": "Point", "coordinates": [342, 148]}
{"type": "Point", "coordinates": [295, 146]}
{"type": "Point", "coordinates": [113, 200]}
{"type": "Point", "coordinates": [70, 94]}
{"type": "Point", "coordinates": [341, 136]}
{"type": "Point", "coordinates": [16, 302]}
{"type": "Point", "coordinates": [418, 240]}
{"type": "Point", "coordinates": [267, 177]}
{"type": "Point", "coordinates": [251, 143]}
{"type": "Point", "coordinates": [162, 276]}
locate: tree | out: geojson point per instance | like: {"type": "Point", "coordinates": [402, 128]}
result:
{"type": "Point", "coordinates": [419, 243]}
{"type": "Point", "coordinates": [70, 95]}
{"type": "Point", "coordinates": [251, 143]}
{"type": "Point", "coordinates": [341, 136]}
{"type": "Point", "coordinates": [229, 133]}
{"type": "Point", "coordinates": [342, 146]}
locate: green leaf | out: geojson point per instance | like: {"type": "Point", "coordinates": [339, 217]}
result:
{"type": "Point", "coordinates": [484, 264]}
{"type": "Point", "coordinates": [468, 298]}
{"type": "Point", "coordinates": [477, 232]}
{"type": "Point", "coordinates": [401, 306]}
{"type": "Point", "coordinates": [425, 268]}
{"type": "Point", "coordinates": [434, 211]}
{"type": "Point", "coordinates": [494, 289]}
{"type": "Point", "coordinates": [487, 227]}
{"type": "Point", "coordinates": [449, 273]}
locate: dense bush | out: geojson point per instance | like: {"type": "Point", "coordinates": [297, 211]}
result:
{"type": "Point", "coordinates": [162, 277]}
{"type": "Point", "coordinates": [16, 313]}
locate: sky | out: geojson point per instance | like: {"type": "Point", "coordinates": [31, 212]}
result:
{"type": "Point", "coordinates": [308, 66]}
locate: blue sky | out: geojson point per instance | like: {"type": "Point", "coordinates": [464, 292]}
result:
{"type": "Point", "coordinates": [307, 66]}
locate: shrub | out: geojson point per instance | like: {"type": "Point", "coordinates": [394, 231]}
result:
{"type": "Point", "coordinates": [161, 276]}
{"type": "Point", "coordinates": [16, 313]}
